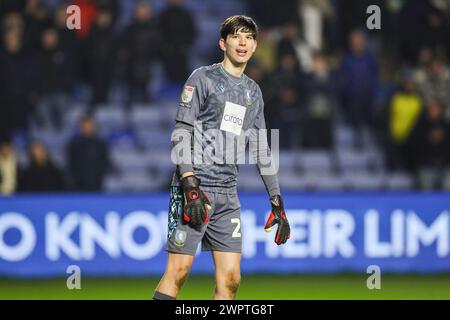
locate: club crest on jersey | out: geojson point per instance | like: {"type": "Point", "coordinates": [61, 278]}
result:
{"type": "Point", "coordinates": [221, 87]}
{"type": "Point", "coordinates": [248, 98]}
{"type": "Point", "coordinates": [187, 94]}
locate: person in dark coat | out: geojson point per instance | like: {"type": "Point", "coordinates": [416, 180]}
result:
{"type": "Point", "coordinates": [55, 80]}
{"type": "Point", "coordinates": [431, 147]}
{"type": "Point", "coordinates": [17, 92]}
{"type": "Point", "coordinates": [431, 138]}
{"type": "Point", "coordinates": [101, 47]}
{"type": "Point", "coordinates": [139, 48]}
{"type": "Point", "coordinates": [41, 175]}
{"type": "Point", "coordinates": [358, 76]}
{"type": "Point", "coordinates": [178, 32]}
{"type": "Point", "coordinates": [88, 158]}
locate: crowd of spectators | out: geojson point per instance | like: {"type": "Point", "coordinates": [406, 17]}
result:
{"type": "Point", "coordinates": [43, 63]}
{"type": "Point", "coordinates": [393, 83]}
{"type": "Point", "coordinates": [316, 62]}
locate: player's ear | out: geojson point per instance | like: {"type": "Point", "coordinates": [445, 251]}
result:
{"type": "Point", "coordinates": [222, 44]}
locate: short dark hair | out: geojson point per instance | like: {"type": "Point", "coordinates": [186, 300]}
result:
{"type": "Point", "coordinates": [233, 24]}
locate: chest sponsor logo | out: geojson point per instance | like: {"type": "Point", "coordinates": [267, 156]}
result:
{"type": "Point", "coordinates": [233, 118]}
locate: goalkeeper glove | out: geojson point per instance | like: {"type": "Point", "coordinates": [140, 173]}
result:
{"type": "Point", "coordinates": [278, 216]}
{"type": "Point", "coordinates": [196, 203]}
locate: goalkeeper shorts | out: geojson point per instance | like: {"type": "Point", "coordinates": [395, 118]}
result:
{"type": "Point", "coordinates": [221, 233]}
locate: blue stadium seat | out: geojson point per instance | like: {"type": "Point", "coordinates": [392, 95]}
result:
{"type": "Point", "coordinates": [160, 159]}
{"type": "Point", "coordinates": [51, 139]}
{"type": "Point", "coordinates": [110, 119]}
{"type": "Point", "coordinates": [153, 139]}
{"type": "Point", "coordinates": [138, 182]}
{"type": "Point", "coordinates": [397, 181]}
{"type": "Point", "coordinates": [113, 183]}
{"type": "Point", "coordinates": [131, 161]}
{"type": "Point", "coordinates": [289, 159]}
{"type": "Point", "coordinates": [22, 157]}
{"type": "Point", "coordinates": [351, 159]}
{"type": "Point", "coordinates": [364, 181]}
{"type": "Point", "coordinates": [325, 182]}
{"type": "Point", "coordinates": [344, 136]}
{"type": "Point", "coordinates": [376, 159]}
{"type": "Point", "coordinates": [319, 160]}
{"type": "Point", "coordinates": [145, 116]}
{"type": "Point", "coordinates": [290, 181]}
{"type": "Point", "coordinates": [73, 115]}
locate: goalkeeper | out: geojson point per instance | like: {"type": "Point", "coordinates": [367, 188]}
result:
{"type": "Point", "coordinates": [204, 205]}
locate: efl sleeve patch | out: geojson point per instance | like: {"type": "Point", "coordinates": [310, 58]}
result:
{"type": "Point", "coordinates": [188, 93]}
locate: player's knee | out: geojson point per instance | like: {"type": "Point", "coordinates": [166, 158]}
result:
{"type": "Point", "coordinates": [180, 274]}
{"type": "Point", "coordinates": [232, 281]}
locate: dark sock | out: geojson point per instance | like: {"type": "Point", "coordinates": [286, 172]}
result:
{"type": "Point", "coordinates": [161, 296]}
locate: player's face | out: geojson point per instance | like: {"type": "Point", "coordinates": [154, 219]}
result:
{"type": "Point", "coordinates": [239, 47]}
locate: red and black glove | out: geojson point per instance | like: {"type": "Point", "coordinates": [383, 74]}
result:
{"type": "Point", "coordinates": [196, 203]}
{"type": "Point", "coordinates": [278, 216]}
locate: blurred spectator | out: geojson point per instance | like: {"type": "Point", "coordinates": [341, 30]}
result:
{"type": "Point", "coordinates": [41, 175]}
{"type": "Point", "coordinates": [283, 100]}
{"type": "Point", "coordinates": [88, 10]}
{"type": "Point", "coordinates": [320, 97]}
{"type": "Point", "coordinates": [351, 15]}
{"type": "Point", "coordinates": [286, 117]}
{"type": "Point", "coordinates": [8, 6]}
{"type": "Point", "coordinates": [426, 56]}
{"type": "Point", "coordinates": [140, 48]}
{"type": "Point", "coordinates": [263, 11]}
{"type": "Point", "coordinates": [55, 80]}
{"type": "Point", "coordinates": [42, 63]}
{"type": "Point", "coordinates": [67, 40]}
{"type": "Point", "coordinates": [404, 111]}
{"type": "Point", "coordinates": [13, 22]}
{"type": "Point", "coordinates": [178, 32]}
{"type": "Point", "coordinates": [111, 6]}
{"type": "Point", "coordinates": [293, 43]}
{"type": "Point", "coordinates": [266, 55]}
{"type": "Point", "coordinates": [16, 85]}
{"type": "Point", "coordinates": [314, 15]}
{"type": "Point", "coordinates": [358, 77]}
{"type": "Point", "coordinates": [286, 75]}
{"type": "Point", "coordinates": [36, 20]}
{"type": "Point", "coordinates": [101, 46]}
{"type": "Point", "coordinates": [435, 85]}
{"type": "Point", "coordinates": [88, 158]}
{"type": "Point", "coordinates": [8, 168]}
{"type": "Point", "coordinates": [430, 28]}
{"type": "Point", "coordinates": [70, 45]}
{"type": "Point", "coordinates": [431, 139]}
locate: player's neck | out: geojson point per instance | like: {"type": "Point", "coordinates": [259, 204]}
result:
{"type": "Point", "coordinates": [233, 69]}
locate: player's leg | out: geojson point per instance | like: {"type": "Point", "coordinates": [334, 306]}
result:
{"type": "Point", "coordinates": [223, 237]}
{"type": "Point", "coordinates": [177, 270]}
{"type": "Point", "coordinates": [227, 273]}
{"type": "Point", "coordinates": [182, 243]}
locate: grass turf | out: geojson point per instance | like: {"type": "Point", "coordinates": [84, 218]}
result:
{"type": "Point", "coordinates": [338, 286]}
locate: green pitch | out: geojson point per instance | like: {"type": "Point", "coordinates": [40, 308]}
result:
{"type": "Point", "coordinates": [341, 286]}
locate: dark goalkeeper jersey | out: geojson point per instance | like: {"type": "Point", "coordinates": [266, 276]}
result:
{"type": "Point", "coordinates": [223, 109]}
